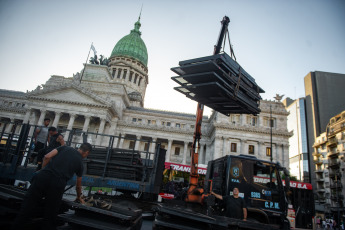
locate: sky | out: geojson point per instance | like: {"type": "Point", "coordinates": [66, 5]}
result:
{"type": "Point", "coordinates": [278, 42]}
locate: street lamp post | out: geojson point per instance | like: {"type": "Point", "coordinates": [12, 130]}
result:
{"type": "Point", "coordinates": [271, 124]}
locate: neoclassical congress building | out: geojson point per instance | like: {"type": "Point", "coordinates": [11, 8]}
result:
{"type": "Point", "coordinates": [109, 99]}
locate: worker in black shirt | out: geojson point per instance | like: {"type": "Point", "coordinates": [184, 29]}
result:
{"type": "Point", "coordinates": [59, 166]}
{"type": "Point", "coordinates": [55, 140]}
{"type": "Point", "coordinates": [235, 207]}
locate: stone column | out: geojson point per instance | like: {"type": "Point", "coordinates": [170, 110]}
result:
{"type": "Point", "coordinates": [242, 149]}
{"type": "Point", "coordinates": [42, 116]}
{"type": "Point", "coordinates": [57, 119]}
{"type": "Point", "coordinates": [70, 125]}
{"type": "Point", "coordinates": [242, 119]}
{"type": "Point", "coordinates": [224, 147]}
{"type": "Point", "coordinates": [121, 141]}
{"type": "Point", "coordinates": [260, 151]}
{"type": "Point", "coordinates": [201, 154]}
{"type": "Point", "coordinates": [86, 123]}
{"type": "Point", "coordinates": [27, 116]}
{"type": "Point", "coordinates": [153, 145]}
{"type": "Point", "coordinates": [185, 148]}
{"type": "Point", "coordinates": [100, 131]}
{"type": "Point", "coordinates": [217, 148]}
{"type": "Point", "coordinates": [137, 143]}
{"type": "Point", "coordinates": [10, 126]}
{"type": "Point", "coordinates": [285, 155]}
{"type": "Point", "coordinates": [167, 157]}
{"type": "Point", "coordinates": [259, 121]}
{"type": "Point", "coordinates": [113, 127]}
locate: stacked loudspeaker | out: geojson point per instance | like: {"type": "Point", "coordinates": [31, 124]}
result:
{"type": "Point", "coordinates": [220, 83]}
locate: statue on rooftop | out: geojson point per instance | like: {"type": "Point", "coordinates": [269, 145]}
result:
{"type": "Point", "coordinates": [278, 97]}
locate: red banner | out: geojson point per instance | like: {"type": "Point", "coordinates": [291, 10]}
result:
{"type": "Point", "coordinates": [183, 168]}
{"type": "Point", "coordinates": [167, 195]}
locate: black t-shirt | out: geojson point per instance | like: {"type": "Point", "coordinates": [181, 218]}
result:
{"type": "Point", "coordinates": [234, 207]}
{"type": "Point", "coordinates": [53, 144]}
{"type": "Point", "coordinates": [65, 163]}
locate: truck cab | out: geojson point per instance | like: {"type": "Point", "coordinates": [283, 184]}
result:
{"type": "Point", "coordinates": [260, 185]}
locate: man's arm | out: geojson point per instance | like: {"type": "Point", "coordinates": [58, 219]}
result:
{"type": "Point", "coordinates": [220, 197]}
{"type": "Point", "coordinates": [37, 131]}
{"type": "Point", "coordinates": [49, 156]}
{"type": "Point", "coordinates": [61, 140]}
{"type": "Point", "coordinates": [78, 190]}
{"type": "Point", "coordinates": [244, 213]}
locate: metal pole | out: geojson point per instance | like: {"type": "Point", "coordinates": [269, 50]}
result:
{"type": "Point", "coordinates": [86, 63]}
{"type": "Point", "coordinates": [271, 132]}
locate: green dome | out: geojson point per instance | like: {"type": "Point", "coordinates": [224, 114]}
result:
{"type": "Point", "coordinates": [132, 46]}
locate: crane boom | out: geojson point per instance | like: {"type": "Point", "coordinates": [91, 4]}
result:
{"type": "Point", "coordinates": [194, 193]}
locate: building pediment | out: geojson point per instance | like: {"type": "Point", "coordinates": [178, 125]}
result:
{"type": "Point", "coordinates": [71, 94]}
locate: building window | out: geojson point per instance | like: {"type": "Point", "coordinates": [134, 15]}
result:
{"type": "Point", "coordinates": [134, 119]}
{"type": "Point", "coordinates": [151, 122]}
{"type": "Point", "coordinates": [113, 73]}
{"type": "Point", "coordinates": [268, 151]}
{"type": "Point", "coordinates": [139, 120]}
{"type": "Point", "coordinates": [234, 147]}
{"type": "Point", "coordinates": [251, 120]}
{"type": "Point", "coordinates": [131, 145]}
{"type": "Point", "coordinates": [139, 81]}
{"type": "Point", "coordinates": [135, 78]}
{"type": "Point", "coordinates": [178, 125]}
{"type": "Point", "coordinates": [235, 119]}
{"type": "Point", "coordinates": [183, 126]}
{"type": "Point", "coordinates": [251, 149]}
{"type": "Point", "coordinates": [130, 76]}
{"type": "Point", "coordinates": [119, 73]}
{"type": "Point", "coordinates": [267, 122]}
{"type": "Point", "coordinates": [177, 151]}
{"type": "Point", "coordinates": [163, 123]}
{"type": "Point", "coordinates": [146, 147]}
{"type": "Point", "coordinates": [168, 123]}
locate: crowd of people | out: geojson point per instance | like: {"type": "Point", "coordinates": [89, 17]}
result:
{"type": "Point", "coordinates": [329, 224]}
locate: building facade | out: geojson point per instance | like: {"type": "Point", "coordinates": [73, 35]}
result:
{"type": "Point", "coordinates": [109, 99]}
{"type": "Point", "coordinates": [324, 93]}
{"type": "Point", "coordinates": [298, 150]}
{"type": "Point", "coordinates": [329, 157]}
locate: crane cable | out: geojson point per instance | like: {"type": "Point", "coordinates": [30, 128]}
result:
{"type": "Point", "coordinates": [232, 53]}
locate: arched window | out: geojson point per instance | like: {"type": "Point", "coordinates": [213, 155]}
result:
{"type": "Point", "coordinates": [139, 81]}
{"type": "Point", "coordinates": [119, 73]}
{"type": "Point", "coordinates": [135, 79]}
{"type": "Point", "coordinates": [130, 76]}
{"type": "Point", "coordinates": [113, 73]}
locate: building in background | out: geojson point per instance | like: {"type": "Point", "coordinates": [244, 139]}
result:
{"type": "Point", "coordinates": [298, 143]}
{"type": "Point", "coordinates": [324, 98]}
{"type": "Point", "coordinates": [329, 156]}
{"type": "Point", "coordinates": [322, 188]}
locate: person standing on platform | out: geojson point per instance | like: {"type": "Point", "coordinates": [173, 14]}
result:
{"type": "Point", "coordinates": [235, 207]}
{"type": "Point", "coordinates": [56, 140]}
{"type": "Point", "coordinates": [40, 138]}
{"type": "Point", "coordinates": [59, 166]}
